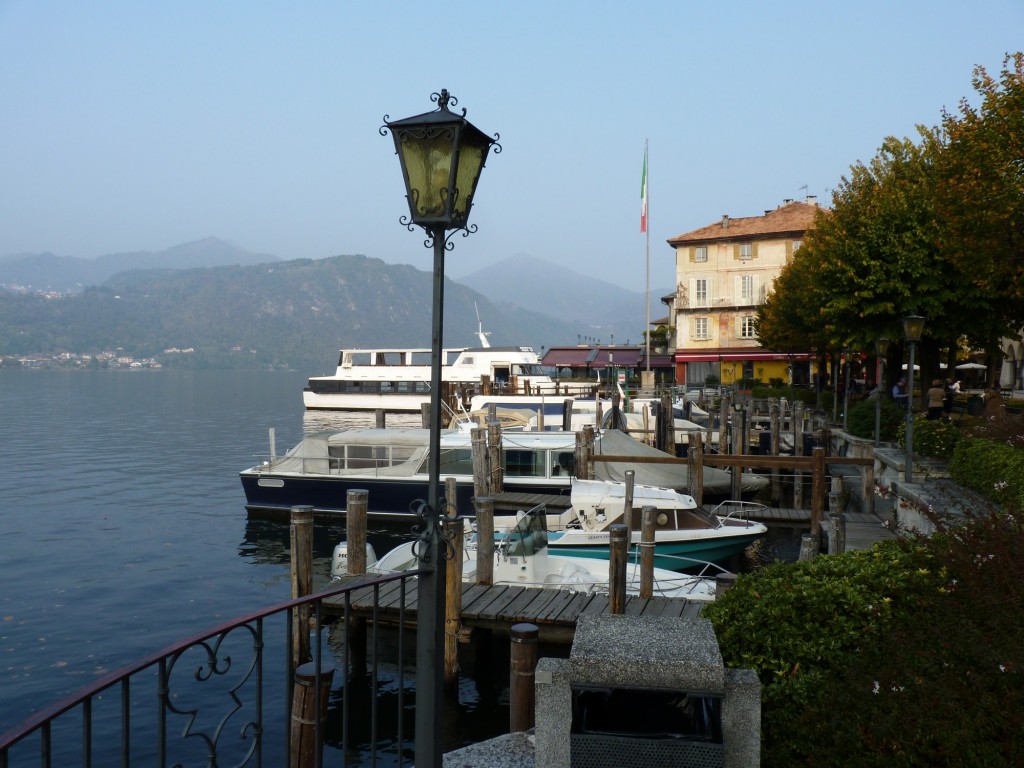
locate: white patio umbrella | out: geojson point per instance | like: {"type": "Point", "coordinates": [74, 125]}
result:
{"type": "Point", "coordinates": [971, 367]}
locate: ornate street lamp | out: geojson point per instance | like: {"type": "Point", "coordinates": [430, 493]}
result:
{"type": "Point", "coordinates": [881, 350]}
{"type": "Point", "coordinates": [442, 155]}
{"type": "Point", "coordinates": [913, 327]}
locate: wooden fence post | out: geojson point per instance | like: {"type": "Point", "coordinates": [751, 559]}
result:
{"type": "Point", "coordinates": [817, 490]}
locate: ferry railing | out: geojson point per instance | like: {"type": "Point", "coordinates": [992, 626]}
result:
{"type": "Point", "coordinates": [222, 697]}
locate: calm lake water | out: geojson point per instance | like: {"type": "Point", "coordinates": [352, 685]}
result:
{"type": "Point", "coordinates": [124, 527]}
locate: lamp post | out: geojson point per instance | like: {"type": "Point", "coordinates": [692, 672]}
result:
{"type": "Point", "coordinates": [442, 155]}
{"type": "Point", "coordinates": [913, 327]}
{"type": "Point", "coordinates": [881, 350]}
{"type": "Point", "coordinates": [848, 354]}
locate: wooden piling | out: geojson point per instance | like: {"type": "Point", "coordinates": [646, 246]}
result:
{"type": "Point", "coordinates": [627, 503]}
{"type": "Point", "coordinates": [309, 714]}
{"type": "Point", "coordinates": [809, 547]}
{"type": "Point", "coordinates": [775, 426]}
{"type": "Point", "coordinates": [618, 546]}
{"type": "Point", "coordinates": [484, 540]}
{"type": "Point", "coordinates": [817, 489]}
{"type": "Point", "coordinates": [837, 500]}
{"type": "Point", "coordinates": [356, 503]}
{"type": "Point", "coordinates": [301, 542]}
{"type": "Point", "coordinates": [425, 415]}
{"type": "Point", "coordinates": [567, 415]}
{"type": "Point", "coordinates": [453, 531]}
{"type": "Point", "coordinates": [495, 473]}
{"type": "Point", "coordinates": [798, 450]}
{"type": "Point", "coordinates": [647, 550]}
{"type": "Point", "coordinates": [522, 668]}
{"type": "Point", "coordinates": [378, 417]}
{"type": "Point", "coordinates": [481, 462]}
{"type": "Point", "coordinates": [739, 438]}
{"type": "Point", "coordinates": [723, 583]}
{"type": "Point", "coordinates": [695, 457]}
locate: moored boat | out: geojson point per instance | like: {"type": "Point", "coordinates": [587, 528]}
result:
{"type": "Point", "coordinates": [522, 557]}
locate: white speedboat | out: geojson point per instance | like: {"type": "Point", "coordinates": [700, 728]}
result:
{"type": "Point", "coordinates": [684, 534]}
{"type": "Point", "coordinates": [522, 557]}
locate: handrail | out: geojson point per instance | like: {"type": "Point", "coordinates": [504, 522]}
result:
{"type": "Point", "coordinates": [41, 721]}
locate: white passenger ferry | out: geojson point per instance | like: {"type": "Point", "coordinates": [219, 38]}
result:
{"type": "Point", "coordinates": [398, 380]}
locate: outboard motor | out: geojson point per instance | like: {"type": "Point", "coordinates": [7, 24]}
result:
{"type": "Point", "coordinates": [339, 559]}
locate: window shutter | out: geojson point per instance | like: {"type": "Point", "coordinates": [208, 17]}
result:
{"type": "Point", "coordinates": [693, 253]}
{"type": "Point", "coordinates": [753, 250]}
{"type": "Point", "coordinates": [739, 326]}
{"type": "Point", "coordinates": [736, 252]}
{"type": "Point", "coordinates": [789, 250]}
{"type": "Point", "coordinates": [692, 298]}
{"type": "Point", "coordinates": [737, 291]}
{"type": "Point", "coordinates": [711, 292]}
{"type": "Point", "coordinates": [755, 292]}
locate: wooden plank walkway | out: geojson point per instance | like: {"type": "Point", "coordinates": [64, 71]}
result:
{"type": "Point", "coordinates": [554, 611]}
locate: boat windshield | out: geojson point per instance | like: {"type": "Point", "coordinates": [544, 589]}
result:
{"type": "Point", "coordinates": [530, 536]}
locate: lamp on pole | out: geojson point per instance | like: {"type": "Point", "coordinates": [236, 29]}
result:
{"type": "Point", "coordinates": [913, 327]}
{"type": "Point", "coordinates": [442, 155]}
{"type": "Point", "coordinates": [881, 350]}
{"type": "Point", "coordinates": [848, 354]}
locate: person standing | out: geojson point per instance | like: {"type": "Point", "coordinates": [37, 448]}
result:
{"type": "Point", "coordinates": [936, 400]}
{"type": "Point", "coordinates": [899, 392]}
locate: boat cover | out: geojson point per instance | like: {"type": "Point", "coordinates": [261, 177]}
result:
{"type": "Point", "coordinates": [717, 481]}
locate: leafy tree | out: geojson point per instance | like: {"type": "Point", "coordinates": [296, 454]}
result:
{"type": "Point", "coordinates": [980, 199]}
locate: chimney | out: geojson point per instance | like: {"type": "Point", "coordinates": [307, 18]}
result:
{"type": "Point", "coordinates": [812, 199]}
{"type": "Point", "coordinates": [725, 221]}
{"type": "Point", "coordinates": [787, 201]}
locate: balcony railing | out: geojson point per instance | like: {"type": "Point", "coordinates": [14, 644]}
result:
{"type": "Point", "coordinates": [228, 696]}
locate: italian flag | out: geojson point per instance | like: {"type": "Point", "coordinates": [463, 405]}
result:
{"type": "Point", "coordinates": [643, 196]}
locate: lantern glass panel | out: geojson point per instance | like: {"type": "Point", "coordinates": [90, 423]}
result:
{"type": "Point", "coordinates": [428, 162]}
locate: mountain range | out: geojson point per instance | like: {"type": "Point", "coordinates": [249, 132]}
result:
{"type": "Point", "coordinates": [253, 309]}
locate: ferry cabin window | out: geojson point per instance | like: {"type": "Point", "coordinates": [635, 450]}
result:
{"type": "Point", "coordinates": [458, 461]}
{"type": "Point", "coordinates": [524, 463]}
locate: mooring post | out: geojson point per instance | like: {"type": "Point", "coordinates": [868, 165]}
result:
{"type": "Point", "coordinates": [618, 546]}
{"type": "Point", "coordinates": [484, 540]}
{"type": "Point", "coordinates": [810, 545]}
{"type": "Point", "coordinates": [522, 667]}
{"type": "Point", "coordinates": [425, 415]}
{"type": "Point", "coordinates": [774, 449]}
{"type": "Point", "coordinates": [817, 489]}
{"type": "Point", "coordinates": [310, 696]}
{"type": "Point", "coordinates": [647, 551]}
{"type": "Point", "coordinates": [301, 540]}
{"type": "Point", "coordinates": [723, 583]}
{"type": "Point", "coordinates": [453, 532]}
{"type": "Point", "coordinates": [627, 506]}
{"type": "Point", "coordinates": [378, 418]}
{"type": "Point", "coordinates": [695, 461]}
{"type": "Point", "coordinates": [356, 503]}
{"type": "Point", "coordinates": [837, 500]}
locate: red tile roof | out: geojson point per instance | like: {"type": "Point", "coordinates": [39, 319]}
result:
{"type": "Point", "coordinates": [791, 218]}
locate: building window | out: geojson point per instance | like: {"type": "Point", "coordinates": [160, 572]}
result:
{"type": "Point", "coordinates": [747, 327]}
{"type": "Point", "coordinates": [746, 251]}
{"type": "Point", "coordinates": [797, 244]}
{"type": "Point", "coordinates": [747, 289]}
{"type": "Point", "coordinates": [700, 292]}
{"type": "Point", "coordinates": [700, 328]}
{"type": "Point", "coordinates": [700, 253]}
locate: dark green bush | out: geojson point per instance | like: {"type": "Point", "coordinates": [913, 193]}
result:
{"type": "Point", "coordinates": [792, 394]}
{"type": "Point", "coordinates": [936, 438]}
{"type": "Point", "coordinates": [995, 470]}
{"type": "Point", "coordinates": [906, 655]}
{"type": "Point", "coordinates": [861, 419]}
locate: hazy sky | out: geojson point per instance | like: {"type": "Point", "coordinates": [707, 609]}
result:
{"type": "Point", "coordinates": [140, 125]}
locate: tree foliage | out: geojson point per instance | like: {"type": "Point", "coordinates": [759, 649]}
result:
{"type": "Point", "coordinates": [931, 226]}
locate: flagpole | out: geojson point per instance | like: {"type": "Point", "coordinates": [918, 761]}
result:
{"type": "Point", "coordinates": [647, 299]}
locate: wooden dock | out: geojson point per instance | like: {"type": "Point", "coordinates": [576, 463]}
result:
{"type": "Point", "coordinates": [554, 611]}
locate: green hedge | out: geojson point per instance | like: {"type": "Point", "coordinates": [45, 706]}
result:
{"type": "Point", "coordinates": [908, 654]}
{"type": "Point", "coordinates": [995, 470]}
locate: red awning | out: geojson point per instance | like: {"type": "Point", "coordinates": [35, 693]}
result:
{"type": "Point", "coordinates": [732, 356]}
{"type": "Point", "coordinates": [570, 357]}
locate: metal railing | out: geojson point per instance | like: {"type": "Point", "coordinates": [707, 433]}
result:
{"type": "Point", "coordinates": [231, 695]}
